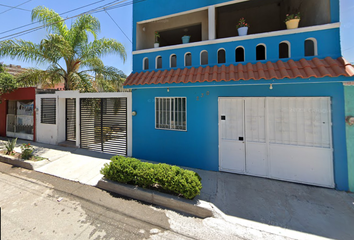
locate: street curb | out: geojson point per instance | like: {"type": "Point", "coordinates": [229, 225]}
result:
{"type": "Point", "coordinates": [173, 202]}
{"type": "Point", "coordinates": [31, 165]}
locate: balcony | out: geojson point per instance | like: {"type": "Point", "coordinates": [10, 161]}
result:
{"type": "Point", "coordinates": [219, 21]}
{"type": "Point", "coordinates": [214, 39]}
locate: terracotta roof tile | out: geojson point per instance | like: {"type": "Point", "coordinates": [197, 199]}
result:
{"type": "Point", "coordinates": [303, 68]}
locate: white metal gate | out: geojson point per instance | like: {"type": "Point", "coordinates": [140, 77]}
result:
{"type": "Point", "coordinates": [285, 138]}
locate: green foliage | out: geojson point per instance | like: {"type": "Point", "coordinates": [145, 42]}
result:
{"type": "Point", "coordinates": [168, 177]}
{"type": "Point", "coordinates": [8, 82]}
{"type": "Point", "coordinates": [10, 146]}
{"type": "Point", "coordinates": [66, 45]}
{"type": "Point", "coordinates": [27, 151]}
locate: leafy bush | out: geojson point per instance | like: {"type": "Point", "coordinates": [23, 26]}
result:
{"type": "Point", "coordinates": [167, 177]}
{"type": "Point", "coordinates": [27, 151]}
{"type": "Point", "coordinates": [10, 146]}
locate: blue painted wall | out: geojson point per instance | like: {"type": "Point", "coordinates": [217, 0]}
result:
{"type": "Point", "coordinates": [328, 45]}
{"type": "Point", "coordinates": [198, 146]}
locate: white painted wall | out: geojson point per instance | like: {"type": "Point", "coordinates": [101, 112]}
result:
{"type": "Point", "coordinates": [46, 133]}
{"type": "Point", "coordinates": [55, 133]}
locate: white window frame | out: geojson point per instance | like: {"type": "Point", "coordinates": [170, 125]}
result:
{"type": "Point", "coordinates": [170, 113]}
{"type": "Point", "coordinates": [244, 54]}
{"type": "Point", "coordinates": [186, 59]}
{"type": "Point", "coordinates": [314, 40]}
{"type": "Point", "coordinates": [265, 51]}
{"type": "Point", "coordinates": [144, 63]}
{"type": "Point", "coordinates": [218, 55]}
{"type": "Point", "coordinates": [289, 49]}
{"type": "Point", "coordinates": [201, 57]}
{"type": "Point", "coordinates": [173, 54]}
{"type": "Point", "coordinates": [156, 62]}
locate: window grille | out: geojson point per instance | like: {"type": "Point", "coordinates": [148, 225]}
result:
{"type": "Point", "coordinates": [171, 113]}
{"type": "Point", "coordinates": [48, 110]}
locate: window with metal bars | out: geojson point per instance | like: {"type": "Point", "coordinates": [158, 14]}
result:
{"type": "Point", "coordinates": [48, 110]}
{"type": "Point", "coordinates": [171, 113]}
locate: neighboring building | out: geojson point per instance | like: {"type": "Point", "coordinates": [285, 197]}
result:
{"type": "Point", "coordinates": [17, 108]}
{"type": "Point", "coordinates": [268, 104]}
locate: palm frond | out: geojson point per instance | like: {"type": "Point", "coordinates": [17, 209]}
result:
{"type": "Point", "coordinates": [81, 81]}
{"type": "Point", "coordinates": [102, 47]}
{"type": "Point", "coordinates": [53, 22]}
{"type": "Point", "coordinates": [55, 47]}
{"type": "Point", "coordinates": [22, 50]}
{"type": "Point", "coordinates": [34, 77]}
{"type": "Point", "coordinates": [109, 79]}
{"type": "Point", "coordinates": [84, 24]}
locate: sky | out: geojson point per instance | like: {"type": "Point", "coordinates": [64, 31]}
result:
{"type": "Point", "coordinates": [123, 17]}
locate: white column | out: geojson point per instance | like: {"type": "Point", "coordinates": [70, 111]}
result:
{"type": "Point", "coordinates": [211, 22]}
{"type": "Point", "coordinates": [78, 121]}
{"type": "Point", "coordinates": [130, 125]}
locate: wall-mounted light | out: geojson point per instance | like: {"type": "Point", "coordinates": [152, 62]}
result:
{"type": "Point", "coordinates": [350, 120]}
{"type": "Point", "coordinates": [271, 86]}
{"type": "Point", "coordinates": [134, 113]}
{"type": "Point", "coordinates": [168, 90]}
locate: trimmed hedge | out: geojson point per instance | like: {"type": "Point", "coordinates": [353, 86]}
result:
{"type": "Point", "coordinates": [168, 177]}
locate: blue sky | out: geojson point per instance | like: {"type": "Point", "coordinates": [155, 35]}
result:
{"type": "Point", "coordinates": [123, 16]}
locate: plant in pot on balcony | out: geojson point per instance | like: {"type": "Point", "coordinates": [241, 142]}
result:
{"type": "Point", "coordinates": [157, 36]}
{"type": "Point", "coordinates": [242, 27]}
{"type": "Point", "coordinates": [292, 20]}
{"type": "Point", "coordinates": [186, 38]}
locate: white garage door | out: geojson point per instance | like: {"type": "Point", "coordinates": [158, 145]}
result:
{"type": "Point", "coordinates": [281, 138]}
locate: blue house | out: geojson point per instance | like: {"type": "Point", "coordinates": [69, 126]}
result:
{"type": "Point", "coordinates": [267, 104]}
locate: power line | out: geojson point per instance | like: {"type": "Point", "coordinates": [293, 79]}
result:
{"type": "Point", "coordinates": [110, 6]}
{"type": "Point", "coordinates": [43, 26]}
{"type": "Point", "coordinates": [59, 14]}
{"type": "Point", "coordinates": [15, 7]}
{"type": "Point", "coordinates": [119, 27]}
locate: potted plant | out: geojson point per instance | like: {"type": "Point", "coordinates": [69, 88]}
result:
{"type": "Point", "coordinates": [157, 36]}
{"type": "Point", "coordinates": [186, 38]}
{"type": "Point", "coordinates": [292, 20]}
{"type": "Point", "coordinates": [242, 27]}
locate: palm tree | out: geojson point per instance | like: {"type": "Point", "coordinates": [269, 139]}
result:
{"type": "Point", "coordinates": [71, 58]}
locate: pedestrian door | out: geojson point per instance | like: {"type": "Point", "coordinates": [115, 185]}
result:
{"type": "Point", "coordinates": [70, 119]}
{"type": "Point", "coordinates": [280, 138]}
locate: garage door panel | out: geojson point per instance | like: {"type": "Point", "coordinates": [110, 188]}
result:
{"type": "Point", "coordinates": [256, 155]}
{"type": "Point", "coordinates": [308, 165]}
{"type": "Point", "coordinates": [232, 156]}
{"type": "Point", "coordinates": [286, 138]}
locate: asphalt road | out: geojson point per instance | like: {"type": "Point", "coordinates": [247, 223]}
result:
{"type": "Point", "coordinates": [39, 206]}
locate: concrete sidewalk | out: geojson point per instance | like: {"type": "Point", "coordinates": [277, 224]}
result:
{"type": "Point", "coordinates": [74, 164]}
{"type": "Point", "coordinates": [283, 208]}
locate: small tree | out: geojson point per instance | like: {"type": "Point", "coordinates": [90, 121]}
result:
{"type": "Point", "coordinates": [8, 82]}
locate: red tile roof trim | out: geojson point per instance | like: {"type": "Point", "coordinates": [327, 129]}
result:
{"type": "Point", "coordinates": [317, 68]}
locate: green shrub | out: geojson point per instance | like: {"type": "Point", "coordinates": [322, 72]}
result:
{"type": "Point", "coordinates": [167, 177]}
{"type": "Point", "coordinates": [10, 146]}
{"type": "Point", "coordinates": [27, 151]}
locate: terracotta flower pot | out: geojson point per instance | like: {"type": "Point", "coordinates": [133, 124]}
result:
{"type": "Point", "coordinates": [292, 24]}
